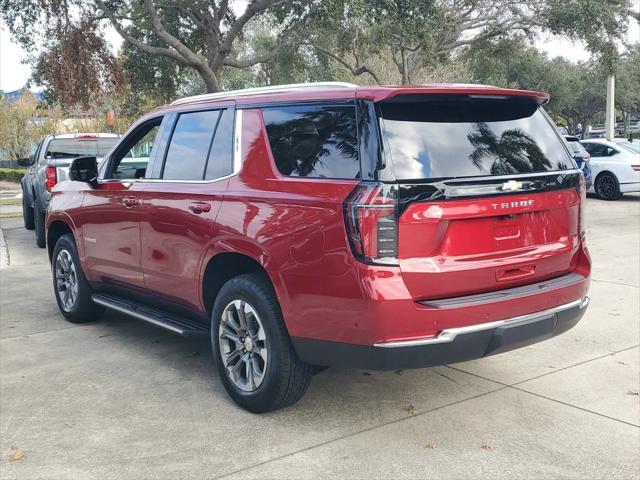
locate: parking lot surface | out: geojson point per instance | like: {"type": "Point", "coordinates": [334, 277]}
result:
{"type": "Point", "coordinates": [122, 399]}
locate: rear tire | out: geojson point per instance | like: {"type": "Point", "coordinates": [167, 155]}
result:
{"type": "Point", "coordinates": [70, 286]}
{"type": "Point", "coordinates": [39, 219]}
{"type": "Point", "coordinates": [27, 214]}
{"type": "Point", "coordinates": [262, 371]}
{"type": "Point", "coordinates": [607, 186]}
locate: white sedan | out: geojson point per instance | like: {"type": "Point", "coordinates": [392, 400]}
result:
{"type": "Point", "coordinates": [615, 167]}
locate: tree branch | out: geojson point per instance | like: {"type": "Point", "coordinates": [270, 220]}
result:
{"type": "Point", "coordinates": [167, 52]}
{"type": "Point", "coordinates": [355, 70]}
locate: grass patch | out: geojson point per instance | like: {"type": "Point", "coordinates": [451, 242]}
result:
{"type": "Point", "coordinates": [12, 174]}
{"type": "Point", "coordinates": [11, 201]}
{"type": "Point", "coordinates": [10, 214]}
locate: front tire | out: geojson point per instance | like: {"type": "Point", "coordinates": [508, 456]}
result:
{"type": "Point", "coordinates": [39, 219]}
{"type": "Point", "coordinates": [607, 186]}
{"type": "Point", "coordinates": [27, 213]}
{"type": "Point", "coordinates": [71, 289]}
{"type": "Point", "coordinates": [257, 364]}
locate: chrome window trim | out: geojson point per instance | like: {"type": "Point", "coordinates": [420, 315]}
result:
{"type": "Point", "coordinates": [448, 335]}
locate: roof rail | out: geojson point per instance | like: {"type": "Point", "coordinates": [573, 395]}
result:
{"type": "Point", "coordinates": [258, 90]}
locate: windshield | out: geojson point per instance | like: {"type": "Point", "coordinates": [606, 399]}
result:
{"type": "Point", "coordinates": [464, 137]}
{"type": "Point", "coordinates": [79, 147]}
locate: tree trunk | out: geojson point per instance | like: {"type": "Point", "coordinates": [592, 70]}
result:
{"type": "Point", "coordinates": [211, 80]}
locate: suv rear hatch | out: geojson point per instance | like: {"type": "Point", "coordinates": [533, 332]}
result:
{"type": "Point", "coordinates": [487, 196]}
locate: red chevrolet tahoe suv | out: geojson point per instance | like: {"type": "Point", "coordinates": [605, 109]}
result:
{"type": "Point", "coordinates": [326, 224]}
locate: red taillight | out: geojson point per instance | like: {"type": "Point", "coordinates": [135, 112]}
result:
{"type": "Point", "coordinates": [52, 178]}
{"type": "Point", "coordinates": [582, 191]}
{"type": "Point", "coordinates": [371, 218]}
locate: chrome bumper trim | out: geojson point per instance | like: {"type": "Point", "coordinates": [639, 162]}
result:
{"type": "Point", "coordinates": [449, 334]}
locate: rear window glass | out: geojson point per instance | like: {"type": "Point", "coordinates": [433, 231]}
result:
{"type": "Point", "coordinates": [80, 147]}
{"type": "Point", "coordinates": [314, 141]}
{"type": "Point", "coordinates": [463, 137]}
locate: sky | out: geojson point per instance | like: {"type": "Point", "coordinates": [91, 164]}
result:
{"type": "Point", "coordinates": [14, 73]}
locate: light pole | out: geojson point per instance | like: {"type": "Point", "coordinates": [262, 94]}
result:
{"type": "Point", "coordinates": [610, 117]}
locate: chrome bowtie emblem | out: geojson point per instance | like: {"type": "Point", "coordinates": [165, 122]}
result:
{"type": "Point", "coordinates": [512, 186]}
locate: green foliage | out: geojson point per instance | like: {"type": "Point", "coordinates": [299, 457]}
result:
{"type": "Point", "coordinates": [23, 124]}
{"type": "Point", "coordinates": [11, 174]}
{"type": "Point", "coordinates": [597, 22]}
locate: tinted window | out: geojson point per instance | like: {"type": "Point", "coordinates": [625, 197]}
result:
{"type": "Point", "coordinates": [220, 161]}
{"type": "Point", "coordinates": [314, 141]}
{"type": "Point", "coordinates": [189, 147]}
{"type": "Point", "coordinates": [596, 149]}
{"type": "Point", "coordinates": [80, 146]}
{"type": "Point", "coordinates": [460, 137]}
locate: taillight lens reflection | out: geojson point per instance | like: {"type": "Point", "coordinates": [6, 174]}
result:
{"type": "Point", "coordinates": [371, 218]}
{"type": "Point", "coordinates": [52, 178]}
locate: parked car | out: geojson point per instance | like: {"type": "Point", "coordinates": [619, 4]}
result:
{"type": "Point", "coordinates": [633, 144]}
{"type": "Point", "coordinates": [331, 225]}
{"type": "Point", "coordinates": [49, 165]}
{"type": "Point", "coordinates": [581, 157]}
{"type": "Point", "coordinates": [615, 167]}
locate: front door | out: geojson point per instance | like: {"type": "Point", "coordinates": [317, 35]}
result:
{"type": "Point", "coordinates": [110, 214]}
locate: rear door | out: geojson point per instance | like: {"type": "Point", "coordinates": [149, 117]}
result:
{"type": "Point", "coordinates": [181, 202]}
{"type": "Point", "coordinates": [487, 192]}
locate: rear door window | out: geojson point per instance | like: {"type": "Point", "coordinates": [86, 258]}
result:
{"type": "Point", "coordinates": [315, 141]}
{"type": "Point", "coordinates": [463, 137]}
{"type": "Point", "coordinates": [189, 147]}
{"type": "Point", "coordinates": [598, 149]}
{"type": "Point", "coordinates": [220, 162]}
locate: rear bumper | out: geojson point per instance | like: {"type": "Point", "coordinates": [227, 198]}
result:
{"type": "Point", "coordinates": [451, 345]}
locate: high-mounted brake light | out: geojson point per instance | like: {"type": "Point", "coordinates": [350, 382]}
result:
{"type": "Point", "coordinates": [52, 178]}
{"type": "Point", "coordinates": [371, 219]}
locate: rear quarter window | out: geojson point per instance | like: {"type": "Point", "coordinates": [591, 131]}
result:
{"type": "Point", "coordinates": [314, 141]}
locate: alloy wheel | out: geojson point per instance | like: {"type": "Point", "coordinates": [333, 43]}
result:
{"type": "Point", "coordinates": [243, 345]}
{"type": "Point", "coordinates": [66, 280]}
{"type": "Point", "coordinates": [606, 186]}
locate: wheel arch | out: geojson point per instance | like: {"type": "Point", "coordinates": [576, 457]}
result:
{"type": "Point", "coordinates": [222, 267]}
{"type": "Point", "coordinates": [54, 230]}
{"type": "Point", "coordinates": [602, 172]}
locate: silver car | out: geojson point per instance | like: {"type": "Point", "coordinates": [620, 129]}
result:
{"type": "Point", "coordinates": [49, 165]}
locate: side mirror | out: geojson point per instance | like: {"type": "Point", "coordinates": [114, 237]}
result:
{"type": "Point", "coordinates": [84, 169]}
{"type": "Point", "coordinates": [24, 162]}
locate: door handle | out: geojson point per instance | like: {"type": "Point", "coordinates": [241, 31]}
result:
{"type": "Point", "coordinates": [130, 202]}
{"type": "Point", "coordinates": [199, 207]}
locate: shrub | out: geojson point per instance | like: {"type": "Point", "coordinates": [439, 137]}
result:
{"type": "Point", "coordinates": [12, 174]}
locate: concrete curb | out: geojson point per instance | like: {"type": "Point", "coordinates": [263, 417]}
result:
{"type": "Point", "coordinates": [4, 251]}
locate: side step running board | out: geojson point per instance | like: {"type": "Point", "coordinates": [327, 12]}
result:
{"type": "Point", "coordinates": [179, 325]}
